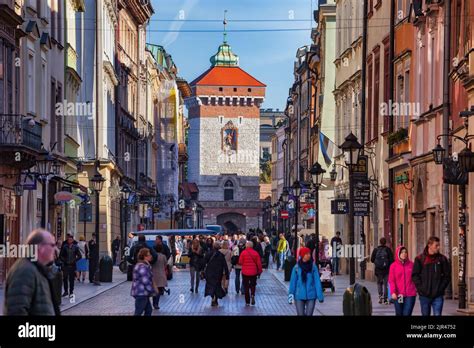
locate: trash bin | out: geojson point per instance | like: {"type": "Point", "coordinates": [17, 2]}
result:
{"type": "Point", "coordinates": [105, 269]}
{"type": "Point", "coordinates": [288, 265]}
{"type": "Point", "coordinates": [357, 301]}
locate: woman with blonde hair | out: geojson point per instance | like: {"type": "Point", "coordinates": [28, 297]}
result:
{"type": "Point", "coordinates": [83, 264]}
{"type": "Point", "coordinates": [196, 263]}
{"type": "Point", "coordinates": [228, 256]}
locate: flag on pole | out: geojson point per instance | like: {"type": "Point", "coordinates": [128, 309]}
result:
{"type": "Point", "coordinates": [327, 148]}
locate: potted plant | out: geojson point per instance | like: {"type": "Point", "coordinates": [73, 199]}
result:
{"type": "Point", "coordinates": [398, 140]}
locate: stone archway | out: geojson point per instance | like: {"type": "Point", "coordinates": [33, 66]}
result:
{"type": "Point", "coordinates": [230, 227]}
{"type": "Point", "coordinates": [232, 222]}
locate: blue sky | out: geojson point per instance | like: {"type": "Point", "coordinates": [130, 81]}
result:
{"type": "Point", "coordinates": [268, 56]}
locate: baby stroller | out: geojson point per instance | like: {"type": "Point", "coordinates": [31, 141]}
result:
{"type": "Point", "coordinates": [326, 275]}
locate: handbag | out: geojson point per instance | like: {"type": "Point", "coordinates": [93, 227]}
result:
{"type": "Point", "coordinates": [202, 274]}
{"type": "Point", "coordinates": [234, 260]}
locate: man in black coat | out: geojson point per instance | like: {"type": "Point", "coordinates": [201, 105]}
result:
{"type": "Point", "coordinates": [115, 249]}
{"type": "Point", "coordinates": [132, 257]}
{"type": "Point", "coordinates": [93, 259]}
{"type": "Point", "coordinates": [431, 275]}
{"type": "Point", "coordinates": [216, 269]}
{"type": "Point", "coordinates": [336, 241]}
{"type": "Point", "coordinates": [312, 242]}
{"type": "Point", "coordinates": [69, 255]}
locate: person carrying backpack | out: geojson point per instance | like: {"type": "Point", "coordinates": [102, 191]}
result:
{"type": "Point", "coordinates": [382, 258]}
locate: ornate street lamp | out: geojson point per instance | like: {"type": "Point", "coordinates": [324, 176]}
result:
{"type": "Point", "coordinates": [296, 188]}
{"type": "Point", "coordinates": [466, 160]}
{"type": "Point", "coordinates": [43, 165]}
{"type": "Point", "coordinates": [126, 192]}
{"type": "Point", "coordinates": [44, 162]}
{"type": "Point", "coordinates": [97, 183]}
{"type": "Point", "coordinates": [439, 154]}
{"type": "Point", "coordinates": [317, 174]}
{"type": "Point", "coordinates": [56, 168]}
{"type": "Point", "coordinates": [297, 192]}
{"type": "Point", "coordinates": [351, 148]}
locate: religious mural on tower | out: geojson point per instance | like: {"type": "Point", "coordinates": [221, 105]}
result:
{"type": "Point", "coordinates": [229, 137]}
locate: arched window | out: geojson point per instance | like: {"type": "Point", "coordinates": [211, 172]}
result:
{"type": "Point", "coordinates": [228, 191]}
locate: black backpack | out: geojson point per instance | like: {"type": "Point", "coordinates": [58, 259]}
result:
{"type": "Point", "coordinates": [381, 258]}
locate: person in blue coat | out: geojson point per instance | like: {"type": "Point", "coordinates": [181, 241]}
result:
{"type": "Point", "coordinates": [305, 285]}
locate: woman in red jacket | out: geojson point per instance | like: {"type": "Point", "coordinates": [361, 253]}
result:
{"type": "Point", "coordinates": [251, 268]}
{"type": "Point", "coordinates": [401, 285]}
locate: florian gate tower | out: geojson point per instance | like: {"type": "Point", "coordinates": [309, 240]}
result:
{"type": "Point", "coordinates": [223, 143]}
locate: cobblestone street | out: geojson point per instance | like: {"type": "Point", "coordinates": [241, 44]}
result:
{"type": "Point", "coordinates": [271, 299]}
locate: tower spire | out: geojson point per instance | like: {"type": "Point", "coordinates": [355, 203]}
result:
{"type": "Point", "coordinates": [225, 25]}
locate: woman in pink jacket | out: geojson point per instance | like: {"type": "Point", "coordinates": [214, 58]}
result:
{"type": "Point", "coordinates": [401, 286]}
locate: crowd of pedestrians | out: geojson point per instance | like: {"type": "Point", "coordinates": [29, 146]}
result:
{"type": "Point", "coordinates": [34, 287]}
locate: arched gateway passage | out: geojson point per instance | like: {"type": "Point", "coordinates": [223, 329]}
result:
{"type": "Point", "coordinates": [232, 222]}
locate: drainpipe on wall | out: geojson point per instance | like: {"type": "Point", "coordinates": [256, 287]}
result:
{"type": "Point", "coordinates": [298, 131]}
{"type": "Point", "coordinates": [363, 264]}
{"type": "Point", "coordinates": [391, 95]}
{"type": "Point", "coordinates": [446, 130]}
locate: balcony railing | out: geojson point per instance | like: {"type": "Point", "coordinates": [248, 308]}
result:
{"type": "Point", "coordinates": [18, 130]}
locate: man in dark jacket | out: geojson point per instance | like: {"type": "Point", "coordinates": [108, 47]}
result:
{"type": "Point", "coordinates": [132, 257]}
{"type": "Point", "coordinates": [382, 257]}
{"type": "Point", "coordinates": [93, 259]}
{"type": "Point", "coordinates": [115, 249]}
{"type": "Point", "coordinates": [312, 242]}
{"type": "Point", "coordinates": [28, 289]}
{"type": "Point", "coordinates": [336, 241]}
{"type": "Point", "coordinates": [431, 275]}
{"type": "Point", "coordinates": [69, 255]}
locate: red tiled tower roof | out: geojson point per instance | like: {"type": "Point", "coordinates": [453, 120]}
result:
{"type": "Point", "coordinates": [226, 76]}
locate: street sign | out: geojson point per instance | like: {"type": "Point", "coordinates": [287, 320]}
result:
{"type": "Point", "coordinates": [85, 213]}
{"type": "Point", "coordinates": [361, 208]}
{"type": "Point", "coordinates": [28, 182]}
{"type": "Point", "coordinates": [339, 206]}
{"type": "Point", "coordinates": [361, 196]}
{"type": "Point", "coordinates": [284, 214]}
{"type": "Point", "coordinates": [361, 190]}
{"type": "Point", "coordinates": [362, 167]}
